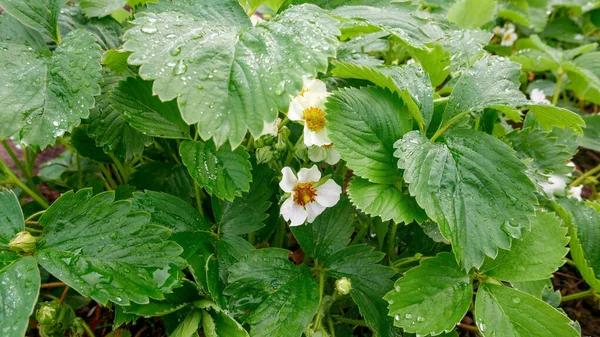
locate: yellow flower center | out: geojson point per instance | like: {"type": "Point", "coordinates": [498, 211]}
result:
{"type": "Point", "coordinates": [314, 118]}
{"type": "Point", "coordinates": [304, 193]}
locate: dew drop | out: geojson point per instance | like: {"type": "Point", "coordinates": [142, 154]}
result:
{"type": "Point", "coordinates": [175, 51]}
{"type": "Point", "coordinates": [180, 68]}
{"type": "Point", "coordinates": [149, 28]}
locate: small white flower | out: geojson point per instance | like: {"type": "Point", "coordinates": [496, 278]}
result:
{"type": "Point", "coordinates": [256, 19]}
{"type": "Point", "coordinates": [509, 38]}
{"type": "Point", "coordinates": [509, 27]}
{"type": "Point", "coordinates": [538, 96]}
{"type": "Point", "coordinates": [555, 184]}
{"type": "Point", "coordinates": [271, 128]}
{"type": "Point", "coordinates": [410, 61]}
{"type": "Point", "coordinates": [307, 197]}
{"type": "Point", "coordinates": [498, 30]}
{"type": "Point", "coordinates": [325, 153]}
{"type": "Point", "coordinates": [575, 192]}
{"type": "Point", "coordinates": [309, 108]}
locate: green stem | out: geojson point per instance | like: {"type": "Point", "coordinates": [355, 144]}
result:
{"type": "Point", "coordinates": [15, 180]}
{"type": "Point", "coordinates": [558, 88]}
{"type": "Point", "coordinates": [418, 257]}
{"type": "Point", "coordinates": [33, 230]}
{"type": "Point", "coordinates": [317, 325]}
{"type": "Point", "coordinates": [87, 329]}
{"type": "Point", "coordinates": [34, 215]}
{"type": "Point", "coordinates": [361, 233]}
{"type": "Point", "coordinates": [111, 182]}
{"type": "Point", "coordinates": [79, 171]}
{"type": "Point", "coordinates": [357, 322]}
{"type": "Point", "coordinates": [441, 99]}
{"type": "Point", "coordinates": [198, 199]}
{"type": "Point", "coordinates": [590, 292]}
{"type": "Point", "coordinates": [14, 158]}
{"type": "Point", "coordinates": [447, 125]}
{"type": "Point", "coordinates": [290, 155]}
{"type": "Point", "coordinates": [392, 242]}
{"type": "Point", "coordinates": [582, 177]}
{"type": "Point", "coordinates": [122, 175]}
{"type": "Point", "coordinates": [330, 325]}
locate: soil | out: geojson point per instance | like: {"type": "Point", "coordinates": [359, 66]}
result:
{"type": "Point", "coordinates": [585, 310]}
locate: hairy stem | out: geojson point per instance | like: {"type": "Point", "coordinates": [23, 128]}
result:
{"type": "Point", "coordinates": [584, 176]}
{"type": "Point", "coordinates": [590, 292]}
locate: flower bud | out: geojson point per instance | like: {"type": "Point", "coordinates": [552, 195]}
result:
{"type": "Point", "coordinates": [264, 155]}
{"type": "Point", "coordinates": [46, 314]}
{"type": "Point", "coordinates": [23, 242]}
{"type": "Point", "coordinates": [280, 145]}
{"type": "Point", "coordinates": [343, 286]}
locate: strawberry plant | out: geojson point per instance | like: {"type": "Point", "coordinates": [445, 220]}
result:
{"type": "Point", "coordinates": [298, 168]}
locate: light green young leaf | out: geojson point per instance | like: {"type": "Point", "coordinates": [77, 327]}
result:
{"type": "Point", "coordinates": [411, 26]}
{"type": "Point", "coordinates": [217, 323]}
{"type": "Point", "coordinates": [134, 100]}
{"type": "Point", "coordinates": [549, 116]}
{"type": "Point", "coordinates": [408, 81]}
{"type": "Point", "coordinates": [116, 61]}
{"type": "Point", "coordinates": [46, 95]}
{"type": "Point", "coordinates": [435, 62]}
{"type": "Point", "coordinates": [473, 186]}
{"type": "Point", "coordinates": [583, 220]}
{"type": "Point", "coordinates": [103, 250]}
{"type": "Point", "coordinates": [246, 213]}
{"type": "Point", "coordinates": [385, 201]}
{"type": "Point", "coordinates": [465, 47]}
{"type": "Point", "coordinates": [41, 15]}
{"type": "Point", "coordinates": [100, 8]}
{"type": "Point", "coordinates": [285, 297]}
{"type": "Point", "coordinates": [434, 306]}
{"type": "Point", "coordinates": [491, 81]}
{"type": "Point", "coordinates": [364, 124]}
{"type": "Point", "coordinates": [223, 172]}
{"type": "Point", "coordinates": [535, 256]}
{"type": "Point", "coordinates": [226, 78]}
{"type": "Point", "coordinates": [330, 232]}
{"type": "Point", "coordinates": [189, 228]}
{"type": "Point", "coordinates": [472, 13]}
{"type": "Point", "coordinates": [534, 60]}
{"type": "Point", "coordinates": [503, 311]}
{"type": "Point", "coordinates": [370, 281]}
{"type": "Point", "coordinates": [109, 129]}
{"type": "Point", "coordinates": [189, 326]}
{"type": "Point", "coordinates": [19, 292]}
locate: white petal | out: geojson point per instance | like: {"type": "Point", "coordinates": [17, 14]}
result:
{"type": "Point", "coordinates": [317, 154]}
{"type": "Point", "coordinates": [271, 128]}
{"type": "Point", "coordinates": [555, 184]}
{"type": "Point", "coordinates": [574, 192]}
{"type": "Point", "coordinates": [318, 138]}
{"type": "Point", "coordinates": [295, 111]}
{"type": "Point", "coordinates": [288, 181]}
{"type": "Point", "coordinates": [313, 210]}
{"type": "Point", "coordinates": [315, 86]}
{"type": "Point", "coordinates": [296, 213]}
{"type": "Point", "coordinates": [309, 175]}
{"type": "Point", "coordinates": [328, 194]}
{"type": "Point", "coordinates": [333, 157]}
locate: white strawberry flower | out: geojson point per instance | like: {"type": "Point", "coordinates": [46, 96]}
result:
{"type": "Point", "coordinates": [309, 108]}
{"type": "Point", "coordinates": [509, 37]}
{"type": "Point", "coordinates": [538, 96]}
{"type": "Point", "coordinates": [498, 30]}
{"type": "Point", "coordinates": [325, 153]}
{"type": "Point", "coordinates": [271, 128]}
{"type": "Point", "coordinates": [308, 197]}
{"type": "Point", "coordinates": [575, 192]}
{"type": "Point", "coordinates": [555, 184]}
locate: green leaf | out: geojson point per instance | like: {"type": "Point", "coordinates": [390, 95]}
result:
{"type": "Point", "coordinates": [187, 225]}
{"type": "Point", "coordinates": [227, 78]}
{"type": "Point", "coordinates": [407, 81]}
{"type": "Point", "coordinates": [11, 217]}
{"type": "Point", "coordinates": [584, 77]}
{"type": "Point", "coordinates": [225, 325]}
{"type": "Point", "coordinates": [177, 300]}
{"type": "Point", "coordinates": [549, 116]}
{"type": "Point", "coordinates": [370, 281]}
{"type": "Point", "coordinates": [13, 31]}
{"type": "Point", "coordinates": [134, 100]}
{"type": "Point", "coordinates": [413, 27]}
{"type": "Point", "coordinates": [535, 256]}
{"type": "Point", "coordinates": [223, 172]}
{"type": "Point", "coordinates": [491, 81]}
{"type": "Point", "coordinates": [435, 62]}
{"type": "Point", "coordinates": [472, 13]}
{"type": "Point", "coordinates": [473, 186]}
{"type": "Point", "coordinates": [41, 15]}
{"type": "Point", "coordinates": [246, 214]}
{"type": "Point", "coordinates": [582, 220]}
{"type": "Point", "coordinates": [549, 154]}
{"type": "Point", "coordinates": [100, 8]}
{"type": "Point", "coordinates": [435, 306]}
{"type": "Point", "coordinates": [329, 232]}
{"type": "Point", "coordinates": [591, 133]}
{"type": "Point", "coordinates": [220, 12]}
{"type": "Point", "coordinates": [502, 311]}
{"type": "Point", "coordinates": [331, 4]}
{"type": "Point", "coordinates": [284, 297]}
{"type": "Point", "coordinates": [189, 326]}
{"type": "Point", "coordinates": [116, 61]}
{"type": "Point", "coordinates": [108, 127]}
{"type": "Point", "coordinates": [535, 60]}
{"type": "Point", "coordinates": [364, 124]}
{"type": "Point", "coordinates": [19, 292]}
{"type": "Point", "coordinates": [385, 201]}
{"type": "Point", "coordinates": [45, 95]}
{"type": "Point", "coordinates": [103, 250]}
{"type": "Point", "coordinates": [107, 31]}
{"type": "Point", "coordinates": [465, 47]}
{"type": "Point", "coordinates": [164, 177]}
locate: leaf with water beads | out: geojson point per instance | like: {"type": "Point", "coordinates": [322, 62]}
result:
{"type": "Point", "coordinates": [41, 15]}
{"type": "Point", "coordinates": [431, 298]}
{"type": "Point", "coordinates": [226, 78]}
{"type": "Point", "coordinates": [105, 251]}
{"type": "Point", "coordinates": [472, 185]}
{"type": "Point", "coordinates": [45, 95]}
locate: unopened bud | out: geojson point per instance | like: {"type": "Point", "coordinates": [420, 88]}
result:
{"type": "Point", "coordinates": [264, 155]}
{"type": "Point", "coordinates": [46, 314]}
{"type": "Point", "coordinates": [281, 144]}
{"type": "Point", "coordinates": [23, 242]}
{"type": "Point", "coordinates": [343, 286]}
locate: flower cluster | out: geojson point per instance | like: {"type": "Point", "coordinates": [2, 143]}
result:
{"type": "Point", "coordinates": [509, 36]}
